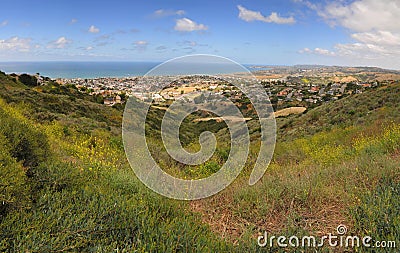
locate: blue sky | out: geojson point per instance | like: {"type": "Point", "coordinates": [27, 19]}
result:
{"type": "Point", "coordinates": [283, 32]}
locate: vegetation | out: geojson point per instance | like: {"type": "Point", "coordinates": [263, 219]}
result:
{"type": "Point", "coordinates": [65, 184]}
{"type": "Point", "coordinates": [81, 195]}
{"type": "Point", "coordinates": [362, 109]}
{"type": "Point", "coordinates": [28, 80]}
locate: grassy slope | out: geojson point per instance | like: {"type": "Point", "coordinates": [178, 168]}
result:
{"type": "Point", "coordinates": [60, 103]}
{"type": "Point", "coordinates": [82, 196]}
{"type": "Point", "coordinates": [329, 166]}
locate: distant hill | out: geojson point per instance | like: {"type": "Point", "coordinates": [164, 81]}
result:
{"type": "Point", "coordinates": [347, 69]}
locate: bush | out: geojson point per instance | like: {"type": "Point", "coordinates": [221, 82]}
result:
{"type": "Point", "coordinates": [28, 80]}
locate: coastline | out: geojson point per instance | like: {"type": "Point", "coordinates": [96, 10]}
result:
{"type": "Point", "coordinates": [92, 70]}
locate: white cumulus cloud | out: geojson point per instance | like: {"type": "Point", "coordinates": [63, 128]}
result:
{"type": "Point", "coordinates": [322, 51]}
{"type": "Point", "coordinates": [61, 42]}
{"type": "Point", "coordinates": [187, 25]}
{"type": "Point", "coordinates": [15, 44]}
{"type": "Point", "coordinates": [317, 50]}
{"type": "Point", "coordinates": [364, 15]}
{"type": "Point", "coordinates": [386, 38]}
{"type": "Point", "coordinates": [93, 29]}
{"type": "Point", "coordinates": [363, 50]}
{"type": "Point", "coordinates": [373, 25]}
{"type": "Point", "coordinates": [249, 15]}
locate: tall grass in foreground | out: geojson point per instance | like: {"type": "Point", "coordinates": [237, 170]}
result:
{"type": "Point", "coordinates": [378, 214]}
{"type": "Point", "coordinates": [312, 186]}
{"type": "Point", "coordinates": [80, 197]}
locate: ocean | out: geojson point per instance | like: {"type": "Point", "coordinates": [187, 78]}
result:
{"type": "Point", "coordinates": [104, 69]}
{"type": "Point", "coordinates": [79, 69]}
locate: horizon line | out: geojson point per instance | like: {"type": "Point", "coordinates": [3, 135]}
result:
{"type": "Point", "coordinates": [160, 61]}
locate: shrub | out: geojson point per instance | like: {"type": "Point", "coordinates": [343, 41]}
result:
{"type": "Point", "coordinates": [28, 80]}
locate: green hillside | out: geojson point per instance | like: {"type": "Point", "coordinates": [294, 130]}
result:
{"type": "Point", "coordinates": [66, 186]}
{"type": "Point", "coordinates": [361, 109]}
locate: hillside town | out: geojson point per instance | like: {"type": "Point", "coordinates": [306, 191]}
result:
{"type": "Point", "coordinates": [286, 86]}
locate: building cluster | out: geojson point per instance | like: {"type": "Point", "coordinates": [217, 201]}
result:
{"type": "Point", "coordinates": [163, 88]}
{"type": "Point", "coordinates": [311, 93]}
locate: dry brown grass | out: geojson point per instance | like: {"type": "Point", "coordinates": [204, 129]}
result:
{"type": "Point", "coordinates": [344, 79]}
{"type": "Point", "coordinates": [383, 77]}
{"type": "Point", "coordinates": [226, 217]}
{"type": "Point", "coordinates": [288, 111]}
